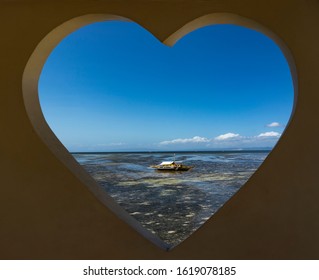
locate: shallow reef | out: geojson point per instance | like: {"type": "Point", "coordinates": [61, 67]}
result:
{"type": "Point", "coordinates": [171, 205]}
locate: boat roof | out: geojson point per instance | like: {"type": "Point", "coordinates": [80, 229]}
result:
{"type": "Point", "coordinates": [167, 162]}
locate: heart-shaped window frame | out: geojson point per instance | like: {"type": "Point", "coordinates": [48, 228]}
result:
{"type": "Point", "coordinates": [38, 58]}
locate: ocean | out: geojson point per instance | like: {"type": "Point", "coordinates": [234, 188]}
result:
{"type": "Point", "coordinates": [172, 205]}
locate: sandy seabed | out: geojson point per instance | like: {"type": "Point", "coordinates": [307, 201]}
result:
{"type": "Point", "coordinates": [171, 205]}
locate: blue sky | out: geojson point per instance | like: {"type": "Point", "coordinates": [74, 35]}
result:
{"type": "Point", "coordinates": [112, 86]}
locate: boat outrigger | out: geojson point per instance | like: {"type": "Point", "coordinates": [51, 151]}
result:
{"type": "Point", "coordinates": [171, 166]}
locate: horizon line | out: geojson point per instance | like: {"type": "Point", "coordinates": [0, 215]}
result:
{"type": "Point", "coordinates": [266, 149]}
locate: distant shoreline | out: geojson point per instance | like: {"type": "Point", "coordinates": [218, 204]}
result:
{"type": "Point", "coordinates": [264, 150]}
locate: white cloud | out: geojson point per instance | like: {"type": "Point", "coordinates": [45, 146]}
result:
{"type": "Point", "coordinates": [227, 136]}
{"type": "Point", "coordinates": [110, 144]}
{"type": "Point", "coordinates": [269, 134]}
{"type": "Point", "coordinates": [227, 140]}
{"type": "Point", "coordinates": [274, 124]}
{"type": "Point", "coordinates": [195, 139]}
{"type": "Point", "coordinates": [117, 144]}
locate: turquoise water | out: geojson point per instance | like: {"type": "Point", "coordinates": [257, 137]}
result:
{"type": "Point", "coordinates": [172, 205]}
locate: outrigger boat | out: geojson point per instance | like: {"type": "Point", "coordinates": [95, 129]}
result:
{"type": "Point", "coordinates": [171, 166]}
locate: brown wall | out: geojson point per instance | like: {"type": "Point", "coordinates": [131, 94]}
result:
{"type": "Point", "coordinates": [48, 211]}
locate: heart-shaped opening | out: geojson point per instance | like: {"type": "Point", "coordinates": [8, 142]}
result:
{"type": "Point", "coordinates": [121, 102]}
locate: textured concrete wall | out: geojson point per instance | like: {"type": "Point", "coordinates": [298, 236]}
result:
{"type": "Point", "coordinates": [51, 209]}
